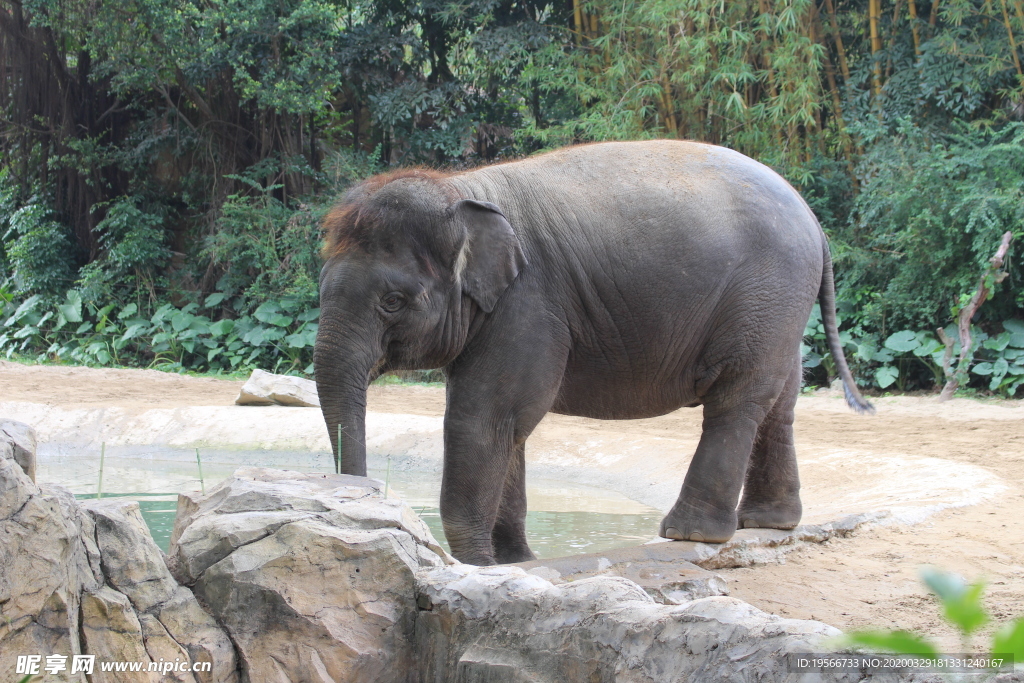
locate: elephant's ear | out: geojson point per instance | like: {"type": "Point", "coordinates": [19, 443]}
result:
{"type": "Point", "coordinates": [491, 257]}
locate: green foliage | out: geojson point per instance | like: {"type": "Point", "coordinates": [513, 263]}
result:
{"type": "Point", "coordinates": [163, 152]}
{"type": "Point", "coordinates": [278, 336]}
{"type": "Point", "coordinates": [962, 607]}
{"type": "Point", "coordinates": [931, 212]}
{"type": "Point", "coordinates": [39, 250]}
{"type": "Point", "coordinates": [902, 642]}
{"type": "Point", "coordinates": [262, 250]}
{"type": "Point", "coordinates": [914, 359]}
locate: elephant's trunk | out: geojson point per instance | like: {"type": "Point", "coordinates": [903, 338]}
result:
{"type": "Point", "coordinates": [342, 374]}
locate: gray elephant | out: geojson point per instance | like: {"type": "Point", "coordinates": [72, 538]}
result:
{"type": "Point", "coordinates": [616, 281]}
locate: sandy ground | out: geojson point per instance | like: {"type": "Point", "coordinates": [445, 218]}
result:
{"type": "Point", "coordinates": [868, 580]}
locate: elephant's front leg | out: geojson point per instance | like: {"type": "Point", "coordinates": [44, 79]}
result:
{"type": "Point", "coordinates": [509, 534]}
{"type": "Point", "coordinates": [477, 460]}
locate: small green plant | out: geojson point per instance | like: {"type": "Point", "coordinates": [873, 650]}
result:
{"type": "Point", "coordinates": [962, 607]}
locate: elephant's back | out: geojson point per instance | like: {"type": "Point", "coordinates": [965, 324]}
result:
{"type": "Point", "coordinates": [653, 204]}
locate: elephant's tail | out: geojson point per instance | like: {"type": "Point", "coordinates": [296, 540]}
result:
{"type": "Point", "coordinates": [827, 300]}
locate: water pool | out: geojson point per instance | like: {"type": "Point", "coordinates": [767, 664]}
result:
{"type": "Point", "coordinates": [564, 518]}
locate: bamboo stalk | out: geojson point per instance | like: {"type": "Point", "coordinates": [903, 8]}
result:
{"type": "Point", "coordinates": [1013, 43]}
{"type": "Point", "coordinates": [912, 9]}
{"type": "Point", "coordinates": [837, 37]}
{"type": "Point", "coordinates": [892, 39]}
{"type": "Point", "coordinates": [577, 20]}
{"type": "Point", "coordinates": [874, 15]}
{"type": "Point", "coordinates": [933, 18]}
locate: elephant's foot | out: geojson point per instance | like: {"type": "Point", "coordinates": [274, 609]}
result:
{"type": "Point", "coordinates": [704, 524]}
{"type": "Point", "coordinates": [509, 554]}
{"type": "Point", "coordinates": [777, 516]}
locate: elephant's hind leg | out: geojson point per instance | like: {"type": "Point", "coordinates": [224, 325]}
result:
{"type": "Point", "coordinates": [771, 492]}
{"type": "Point", "coordinates": [509, 534]}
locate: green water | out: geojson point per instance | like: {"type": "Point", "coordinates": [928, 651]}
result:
{"type": "Point", "coordinates": [564, 518]}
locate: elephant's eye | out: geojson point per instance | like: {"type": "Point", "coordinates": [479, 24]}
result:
{"type": "Point", "coordinates": [392, 302]}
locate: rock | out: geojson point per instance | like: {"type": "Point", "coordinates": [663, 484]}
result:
{"type": "Point", "coordinates": [657, 568]}
{"type": "Point", "coordinates": [23, 443]}
{"type": "Point", "coordinates": [501, 623]}
{"type": "Point", "coordinates": [313, 575]}
{"type": "Point", "coordinates": [265, 388]}
{"type": "Point", "coordinates": [172, 622]}
{"type": "Point", "coordinates": [319, 578]}
{"type": "Point", "coordinates": [111, 631]}
{"type": "Point", "coordinates": [46, 559]}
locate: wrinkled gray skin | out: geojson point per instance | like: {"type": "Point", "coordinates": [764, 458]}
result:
{"type": "Point", "coordinates": [614, 281]}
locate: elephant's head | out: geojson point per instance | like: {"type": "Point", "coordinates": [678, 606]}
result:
{"type": "Point", "coordinates": [409, 264]}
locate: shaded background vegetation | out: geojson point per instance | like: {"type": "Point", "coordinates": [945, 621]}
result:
{"type": "Point", "coordinates": [169, 160]}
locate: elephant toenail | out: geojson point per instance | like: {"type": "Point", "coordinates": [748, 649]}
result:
{"type": "Point", "coordinates": [672, 532]}
{"type": "Point", "coordinates": [697, 536]}
{"type": "Point", "coordinates": [750, 524]}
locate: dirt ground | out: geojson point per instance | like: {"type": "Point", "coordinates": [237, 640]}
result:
{"type": "Point", "coordinates": [868, 580]}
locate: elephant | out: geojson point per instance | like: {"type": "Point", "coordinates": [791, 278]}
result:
{"type": "Point", "coordinates": [615, 280]}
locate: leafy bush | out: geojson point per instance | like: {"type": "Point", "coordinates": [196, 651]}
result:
{"type": "Point", "coordinates": [39, 250]}
{"type": "Point", "coordinates": [910, 359]}
{"type": "Point", "coordinates": [278, 336]}
{"type": "Point", "coordinates": [931, 212]}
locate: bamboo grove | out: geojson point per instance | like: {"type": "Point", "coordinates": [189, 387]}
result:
{"type": "Point", "coordinates": [161, 151]}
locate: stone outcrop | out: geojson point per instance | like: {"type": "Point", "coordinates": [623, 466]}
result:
{"type": "Point", "coordinates": [22, 440]}
{"type": "Point", "coordinates": [314, 576]}
{"type": "Point", "coordinates": [89, 579]}
{"type": "Point", "coordinates": [372, 597]}
{"type": "Point", "coordinates": [47, 558]}
{"type": "Point", "coordinates": [265, 388]}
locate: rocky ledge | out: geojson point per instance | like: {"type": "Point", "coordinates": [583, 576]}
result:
{"type": "Point", "coordinates": [291, 577]}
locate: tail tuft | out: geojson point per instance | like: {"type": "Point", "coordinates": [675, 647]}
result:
{"type": "Point", "coordinates": [856, 401]}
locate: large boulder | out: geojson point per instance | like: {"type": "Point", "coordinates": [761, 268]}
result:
{"type": "Point", "coordinates": [265, 389]}
{"type": "Point", "coordinates": [313, 575]}
{"type": "Point", "coordinates": [171, 621]}
{"type": "Point", "coordinates": [89, 579]}
{"type": "Point", "coordinates": [47, 558]}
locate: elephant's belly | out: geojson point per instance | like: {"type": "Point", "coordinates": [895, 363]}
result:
{"type": "Point", "coordinates": [605, 399]}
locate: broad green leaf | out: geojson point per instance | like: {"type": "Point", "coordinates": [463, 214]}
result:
{"type": "Point", "coordinates": [311, 314]}
{"type": "Point", "coordinates": [134, 331]}
{"type": "Point", "coordinates": [1009, 640]}
{"type": "Point", "coordinates": [84, 327]}
{"type": "Point", "coordinates": [221, 327]}
{"type": "Point", "coordinates": [128, 311]}
{"type": "Point", "coordinates": [998, 343]}
{"type": "Point", "coordinates": [982, 369]}
{"type": "Point", "coordinates": [180, 320]}
{"type": "Point", "coordinates": [279, 320]}
{"type": "Point", "coordinates": [266, 311]}
{"type": "Point", "coordinates": [961, 603]}
{"type": "Point", "coordinates": [296, 341]}
{"type": "Point", "coordinates": [900, 642]}
{"type": "Point", "coordinates": [214, 299]}
{"type": "Point", "coordinates": [72, 310]}
{"type": "Point", "coordinates": [1000, 367]}
{"type": "Point", "coordinates": [255, 336]}
{"type": "Point", "coordinates": [1014, 326]}
{"type": "Point", "coordinates": [903, 341]}
{"type": "Point", "coordinates": [309, 369]}
{"type": "Point", "coordinates": [26, 306]}
{"type": "Point", "coordinates": [886, 375]}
